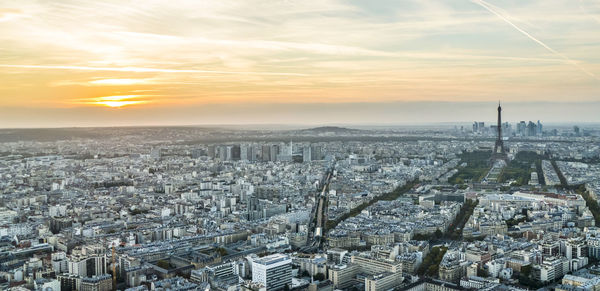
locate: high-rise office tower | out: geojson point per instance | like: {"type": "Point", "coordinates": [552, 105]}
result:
{"type": "Point", "coordinates": [316, 153]}
{"type": "Point", "coordinates": [222, 153]}
{"type": "Point", "coordinates": [228, 153]}
{"type": "Point", "coordinates": [274, 152]}
{"type": "Point", "coordinates": [531, 129]}
{"type": "Point", "coordinates": [236, 152]}
{"type": "Point", "coordinates": [244, 152]}
{"type": "Point", "coordinates": [306, 154]}
{"type": "Point", "coordinates": [506, 129]}
{"type": "Point", "coordinates": [522, 128]}
{"type": "Point", "coordinates": [252, 152]}
{"type": "Point", "coordinates": [266, 153]}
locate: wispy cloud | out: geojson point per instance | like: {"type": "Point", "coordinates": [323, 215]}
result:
{"type": "Point", "coordinates": [493, 9]}
{"type": "Point", "coordinates": [582, 6]}
{"type": "Point", "coordinates": [8, 14]}
{"type": "Point", "coordinates": [144, 70]}
{"type": "Point", "coordinates": [119, 82]}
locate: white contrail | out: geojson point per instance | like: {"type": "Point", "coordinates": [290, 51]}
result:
{"type": "Point", "coordinates": [145, 70]}
{"type": "Point", "coordinates": [489, 7]}
{"type": "Point", "coordinates": [586, 12]}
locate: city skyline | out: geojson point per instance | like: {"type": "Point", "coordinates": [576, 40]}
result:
{"type": "Point", "coordinates": [311, 115]}
{"type": "Point", "coordinates": [290, 62]}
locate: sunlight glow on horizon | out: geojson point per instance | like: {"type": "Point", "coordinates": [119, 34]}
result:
{"type": "Point", "coordinates": [116, 101]}
{"type": "Point", "coordinates": [118, 104]}
{"type": "Point", "coordinates": [242, 53]}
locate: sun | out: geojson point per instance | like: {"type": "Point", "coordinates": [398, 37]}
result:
{"type": "Point", "coordinates": [117, 101]}
{"type": "Point", "coordinates": [119, 104]}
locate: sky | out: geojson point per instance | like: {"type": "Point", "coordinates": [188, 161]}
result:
{"type": "Point", "coordinates": [117, 63]}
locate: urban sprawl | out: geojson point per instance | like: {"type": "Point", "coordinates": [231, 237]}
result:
{"type": "Point", "coordinates": [330, 208]}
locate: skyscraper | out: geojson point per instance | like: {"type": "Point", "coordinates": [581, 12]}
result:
{"type": "Point", "coordinates": [316, 153]}
{"type": "Point", "coordinates": [211, 151]}
{"type": "Point", "coordinates": [266, 153]}
{"type": "Point", "coordinates": [531, 129]}
{"type": "Point", "coordinates": [506, 129]}
{"type": "Point", "coordinates": [306, 154]}
{"type": "Point", "coordinates": [274, 152]}
{"type": "Point", "coordinates": [522, 128]}
{"type": "Point", "coordinates": [245, 152]}
{"type": "Point", "coordinates": [236, 152]}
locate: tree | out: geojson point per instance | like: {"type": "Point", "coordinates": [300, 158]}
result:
{"type": "Point", "coordinates": [163, 264]}
{"type": "Point", "coordinates": [221, 251]}
{"type": "Point", "coordinates": [526, 270]}
{"type": "Point", "coordinates": [526, 278]}
{"type": "Point", "coordinates": [432, 270]}
{"type": "Point", "coordinates": [430, 264]}
{"type": "Point", "coordinates": [398, 192]}
{"type": "Point", "coordinates": [482, 273]}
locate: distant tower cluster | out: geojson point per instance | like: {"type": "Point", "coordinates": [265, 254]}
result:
{"type": "Point", "coordinates": [530, 128]}
{"type": "Point", "coordinates": [283, 152]}
{"type": "Point", "coordinates": [523, 129]}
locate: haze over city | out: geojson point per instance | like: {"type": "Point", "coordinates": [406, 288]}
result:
{"type": "Point", "coordinates": [288, 145]}
{"type": "Point", "coordinates": [112, 63]}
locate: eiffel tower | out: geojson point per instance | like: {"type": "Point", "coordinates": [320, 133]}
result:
{"type": "Point", "coordinates": [499, 152]}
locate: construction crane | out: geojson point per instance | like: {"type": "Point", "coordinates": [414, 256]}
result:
{"type": "Point", "coordinates": [114, 267]}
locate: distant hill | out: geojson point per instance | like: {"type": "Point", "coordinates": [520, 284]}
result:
{"type": "Point", "coordinates": [331, 129]}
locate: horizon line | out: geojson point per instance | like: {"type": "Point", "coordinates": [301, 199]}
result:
{"type": "Point", "coordinates": [309, 125]}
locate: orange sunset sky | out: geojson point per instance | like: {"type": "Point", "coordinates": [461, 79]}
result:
{"type": "Point", "coordinates": [95, 63]}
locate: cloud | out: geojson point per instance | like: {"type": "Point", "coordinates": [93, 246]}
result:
{"type": "Point", "coordinates": [119, 82]}
{"type": "Point", "coordinates": [295, 52]}
{"type": "Point", "coordinates": [8, 14]}
{"type": "Point", "coordinates": [144, 70]}
{"type": "Point", "coordinates": [491, 8]}
{"type": "Point", "coordinates": [584, 8]}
